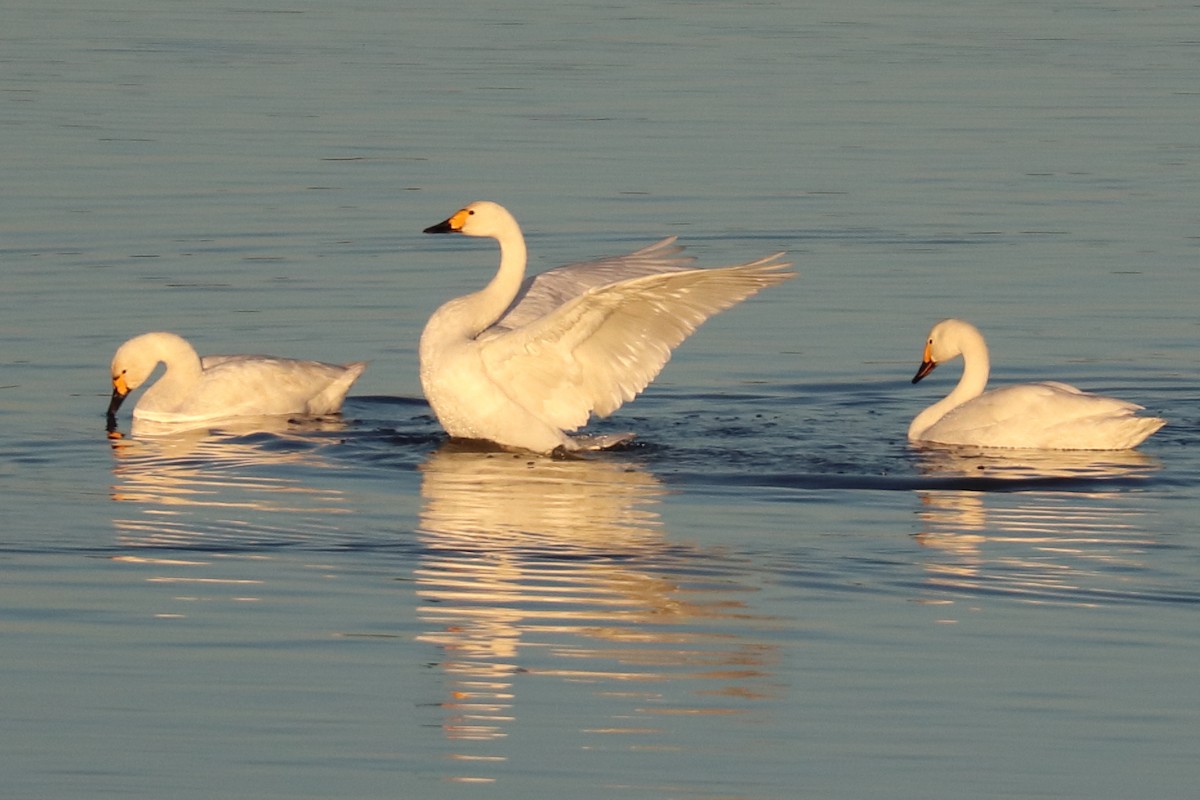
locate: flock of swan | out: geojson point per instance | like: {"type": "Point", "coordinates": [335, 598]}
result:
{"type": "Point", "coordinates": [524, 362]}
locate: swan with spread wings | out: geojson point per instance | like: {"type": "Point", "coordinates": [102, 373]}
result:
{"type": "Point", "coordinates": [522, 363]}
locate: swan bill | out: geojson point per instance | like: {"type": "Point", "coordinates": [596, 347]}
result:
{"type": "Point", "coordinates": [925, 368]}
{"type": "Point", "coordinates": [119, 393]}
{"type": "Point", "coordinates": [452, 225]}
{"type": "Point", "coordinates": [441, 227]}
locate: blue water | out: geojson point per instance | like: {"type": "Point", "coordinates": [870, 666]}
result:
{"type": "Point", "coordinates": [769, 594]}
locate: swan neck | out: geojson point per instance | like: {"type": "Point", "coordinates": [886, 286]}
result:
{"type": "Point", "coordinates": [180, 358]}
{"type": "Point", "coordinates": [507, 281]}
{"type": "Point", "coordinates": [183, 370]}
{"type": "Point", "coordinates": [972, 382]}
{"type": "Point", "coordinates": [976, 367]}
{"type": "Point", "coordinates": [480, 310]}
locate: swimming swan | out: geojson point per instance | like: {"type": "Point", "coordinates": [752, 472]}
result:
{"type": "Point", "coordinates": [200, 390]}
{"type": "Point", "coordinates": [520, 363]}
{"type": "Point", "coordinates": [1044, 416]}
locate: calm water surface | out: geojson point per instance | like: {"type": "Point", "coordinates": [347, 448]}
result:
{"type": "Point", "coordinates": [769, 594]}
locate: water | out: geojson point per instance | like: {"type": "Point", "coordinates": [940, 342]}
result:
{"type": "Point", "coordinates": [768, 595]}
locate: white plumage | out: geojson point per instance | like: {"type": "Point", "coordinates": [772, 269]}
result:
{"type": "Point", "coordinates": [199, 391]}
{"type": "Point", "coordinates": [1047, 415]}
{"type": "Point", "coordinates": [520, 363]}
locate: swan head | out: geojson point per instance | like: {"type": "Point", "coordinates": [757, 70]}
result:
{"type": "Point", "coordinates": [945, 341]}
{"type": "Point", "coordinates": [136, 360]}
{"type": "Point", "coordinates": [481, 218]}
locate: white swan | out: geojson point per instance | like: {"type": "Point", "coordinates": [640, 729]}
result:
{"type": "Point", "coordinates": [196, 390]}
{"type": "Point", "coordinates": [1044, 416]}
{"type": "Point", "coordinates": [520, 363]}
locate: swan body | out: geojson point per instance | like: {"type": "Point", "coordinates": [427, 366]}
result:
{"type": "Point", "coordinates": [523, 362]}
{"type": "Point", "coordinates": [1045, 416]}
{"type": "Point", "coordinates": [201, 390]}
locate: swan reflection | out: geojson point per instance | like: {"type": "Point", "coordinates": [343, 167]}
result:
{"type": "Point", "coordinates": [1044, 526]}
{"type": "Point", "coordinates": [534, 568]}
{"type": "Point", "coordinates": [1033, 465]}
{"type": "Point", "coordinates": [185, 432]}
{"type": "Point", "coordinates": [197, 487]}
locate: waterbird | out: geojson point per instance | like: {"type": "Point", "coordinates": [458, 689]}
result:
{"type": "Point", "coordinates": [1047, 415]}
{"type": "Point", "coordinates": [195, 390]}
{"type": "Point", "coordinates": [522, 363]}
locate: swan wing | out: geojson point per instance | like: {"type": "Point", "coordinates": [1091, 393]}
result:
{"type": "Point", "coordinates": [1047, 403]}
{"type": "Point", "coordinates": [208, 362]}
{"type": "Point", "coordinates": [601, 348]}
{"type": "Point", "coordinates": [1045, 415]}
{"type": "Point", "coordinates": [256, 384]}
{"type": "Point", "coordinates": [543, 293]}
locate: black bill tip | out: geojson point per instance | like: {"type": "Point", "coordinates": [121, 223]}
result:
{"type": "Point", "coordinates": [925, 368]}
{"type": "Point", "coordinates": [114, 404]}
{"type": "Point", "coordinates": [441, 227]}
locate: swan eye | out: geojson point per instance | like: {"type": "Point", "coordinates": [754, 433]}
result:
{"type": "Point", "coordinates": [471, 212]}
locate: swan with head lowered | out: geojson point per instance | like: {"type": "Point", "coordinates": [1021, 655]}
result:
{"type": "Point", "coordinates": [195, 391]}
{"type": "Point", "coordinates": [1044, 416]}
{"type": "Point", "coordinates": [522, 363]}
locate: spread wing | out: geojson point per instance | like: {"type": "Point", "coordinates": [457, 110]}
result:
{"type": "Point", "coordinates": [601, 348]}
{"type": "Point", "coordinates": [546, 291]}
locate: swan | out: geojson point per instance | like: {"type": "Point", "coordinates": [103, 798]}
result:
{"type": "Point", "coordinates": [522, 362]}
{"type": "Point", "coordinates": [1044, 416]}
{"type": "Point", "coordinates": [201, 390]}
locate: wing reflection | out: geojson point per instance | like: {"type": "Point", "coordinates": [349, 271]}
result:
{"type": "Point", "coordinates": [536, 568]}
{"type": "Point", "coordinates": [202, 489]}
{"type": "Point", "coordinates": [1041, 526]}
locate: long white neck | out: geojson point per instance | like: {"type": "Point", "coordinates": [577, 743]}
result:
{"type": "Point", "coordinates": [467, 316]}
{"type": "Point", "coordinates": [976, 368]}
{"type": "Point", "coordinates": [183, 370]}
{"type": "Point", "coordinates": [493, 300]}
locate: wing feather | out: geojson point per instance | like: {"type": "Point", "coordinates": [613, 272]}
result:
{"type": "Point", "coordinates": [601, 348]}
{"type": "Point", "coordinates": [541, 294]}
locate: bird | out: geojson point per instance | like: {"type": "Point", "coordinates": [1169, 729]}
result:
{"type": "Point", "coordinates": [523, 363]}
{"type": "Point", "coordinates": [1044, 416]}
{"type": "Point", "coordinates": [197, 391]}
